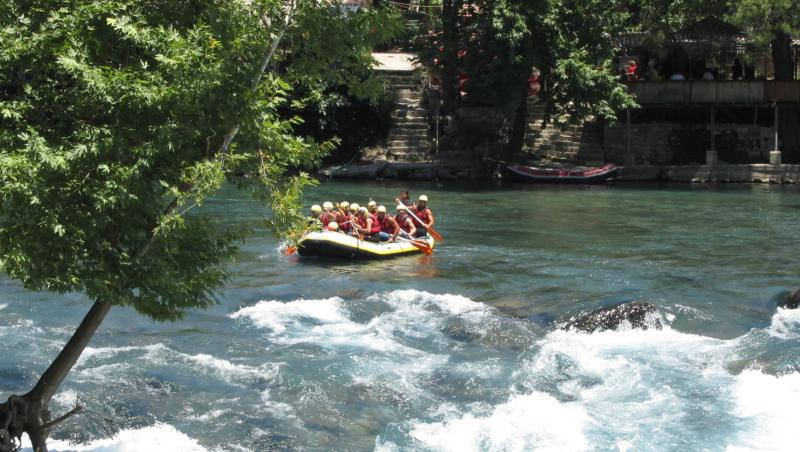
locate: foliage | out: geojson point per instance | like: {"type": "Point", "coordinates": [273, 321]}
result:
{"type": "Point", "coordinates": [328, 63]}
{"type": "Point", "coordinates": [116, 122]}
{"type": "Point", "coordinates": [764, 19]}
{"type": "Point", "coordinates": [569, 41]}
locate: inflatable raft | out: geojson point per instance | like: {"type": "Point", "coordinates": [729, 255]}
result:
{"type": "Point", "coordinates": [336, 244]}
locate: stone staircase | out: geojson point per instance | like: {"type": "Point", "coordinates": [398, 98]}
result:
{"type": "Point", "coordinates": [409, 139]}
{"type": "Point", "coordinates": [575, 144]}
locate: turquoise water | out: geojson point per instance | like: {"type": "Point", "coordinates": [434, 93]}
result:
{"type": "Point", "coordinates": [460, 350]}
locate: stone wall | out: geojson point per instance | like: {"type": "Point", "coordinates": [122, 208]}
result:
{"type": "Point", "coordinates": [580, 144]}
{"type": "Point", "coordinates": [666, 143]}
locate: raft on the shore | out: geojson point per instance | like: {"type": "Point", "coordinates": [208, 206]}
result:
{"type": "Point", "coordinates": [561, 175]}
{"type": "Point", "coordinates": [338, 245]}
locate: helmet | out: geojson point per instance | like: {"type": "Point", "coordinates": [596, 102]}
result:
{"type": "Point", "coordinates": [381, 209]}
{"type": "Point", "coordinates": [354, 207]}
{"type": "Point", "coordinates": [423, 198]}
{"type": "Point", "coordinates": [362, 210]}
{"type": "Point", "coordinates": [372, 204]}
{"type": "Point", "coordinates": [333, 226]}
{"type": "Point", "coordinates": [344, 205]}
{"type": "Point", "coordinates": [316, 208]}
{"type": "Point", "coordinates": [327, 205]}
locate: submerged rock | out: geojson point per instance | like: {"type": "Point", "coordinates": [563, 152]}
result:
{"type": "Point", "coordinates": [792, 301]}
{"type": "Point", "coordinates": [637, 314]}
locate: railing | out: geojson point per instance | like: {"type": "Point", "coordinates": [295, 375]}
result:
{"type": "Point", "coordinates": [716, 91]}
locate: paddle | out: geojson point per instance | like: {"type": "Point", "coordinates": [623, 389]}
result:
{"type": "Point", "coordinates": [290, 249]}
{"type": "Point", "coordinates": [424, 247]}
{"type": "Point", "coordinates": [431, 231]}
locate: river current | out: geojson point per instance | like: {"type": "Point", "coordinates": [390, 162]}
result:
{"type": "Point", "coordinates": [460, 350]}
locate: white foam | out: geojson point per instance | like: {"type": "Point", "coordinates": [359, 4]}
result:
{"type": "Point", "coordinates": [448, 303]}
{"type": "Point", "coordinates": [275, 408]}
{"type": "Point", "coordinates": [693, 312]}
{"type": "Point", "coordinates": [3, 306]}
{"type": "Point", "coordinates": [769, 404]}
{"type": "Point", "coordinates": [209, 416]}
{"type": "Point", "coordinates": [66, 398]}
{"type": "Point", "coordinates": [640, 387]}
{"type": "Point", "coordinates": [158, 437]}
{"type": "Point", "coordinates": [785, 324]}
{"type": "Point", "coordinates": [230, 371]}
{"type": "Point", "coordinates": [102, 353]}
{"type": "Point", "coordinates": [118, 373]}
{"type": "Point", "coordinates": [160, 354]}
{"type": "Point", "coordinates": [275, 315]}
{"type": "Point", "coordinates": [526, 422]}
{"type": "Point", "coordinates": [397, 342]}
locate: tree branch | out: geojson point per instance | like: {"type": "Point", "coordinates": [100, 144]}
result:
{"type": "Point", "coordinates": [63, 417]}
{"type": "Point", "coordinates": [291, 9]}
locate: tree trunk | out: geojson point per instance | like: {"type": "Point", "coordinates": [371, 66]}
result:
{"type": "Point", "coordinates": [450, 10]}
{"type": "Point", "coordinates": [517, 139]}
{"type": "Point", "coordinates": [782, 56]}
{"type": "Point", "coordinates": [29, 413]}
{"type": "Point", "coordinates": [788, 119]}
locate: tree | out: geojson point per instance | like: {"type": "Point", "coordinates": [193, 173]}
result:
{"type": "Point", "coordinates": [569, 41]}
{"type": "Point", "coordinates": [772, 24]}
{"type": "Point", "coordinates": [119, 118]}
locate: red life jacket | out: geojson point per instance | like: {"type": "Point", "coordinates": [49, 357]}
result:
{"type": "Point", "coordinates": [346, 222]}
{"type": "Point", "coordinates": [402, 221]}
{"type": "Point", "coordinates": [376, 225]}
{"type": "Point", "coordinates": [361, 222]}
{"type": "Point", "coordinates": [422, 215]}
{"type": "Point", "coordinates": [325, 218]}
{"type": "Point", "coordinates": [385, 225]}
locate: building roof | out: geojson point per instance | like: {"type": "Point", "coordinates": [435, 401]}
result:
{"type": "Point", "coordinates": [711, 28]}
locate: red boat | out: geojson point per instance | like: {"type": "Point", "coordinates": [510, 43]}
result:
{"type": "Point", "coordinates": [563, 175]}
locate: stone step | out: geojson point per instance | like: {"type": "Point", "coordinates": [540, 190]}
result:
{"type": "Point", "coordinates": [411, 128]}
{"type": "Point", "coordinates": [407, 102]}
{"type": "Point", "coordinates": [401, 96]}
{"type": "Point", "coordinates": [405, 91]}
{"type": "Point", "coordinates": [408, 138]}
{"type": "Point", "coordinates": [398, 73]}
{"type": "Point", "coordinates": [411, 122]}
{"type": "Point", "coordinates": [409, 149]}
{"type": "Point", "coordinates": [400, 118]}
{"type": "Point", "coordinates": [422, 141]}
{"type": "Point", "coordinates": [410, 109]}
{"type": "Point", "coordinates": [409, 115]}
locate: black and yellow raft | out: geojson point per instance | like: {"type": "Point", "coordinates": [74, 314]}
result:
{"type": "Point", "coordinates": [338, 245]}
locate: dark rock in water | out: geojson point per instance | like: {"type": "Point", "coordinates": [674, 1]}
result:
{"type": "Point", "coordinates": [792, 301]}
{"type": "Point", "coordinates": [638, 314]}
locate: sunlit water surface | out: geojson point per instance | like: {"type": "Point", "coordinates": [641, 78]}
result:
{"type": "Point", "coordinates": [460, 350]}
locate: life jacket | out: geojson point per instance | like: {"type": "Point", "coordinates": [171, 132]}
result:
{"type": "Point", "coordinates": [385, 225]}
{"type": "Point", "coordinates": [325, 218]}
{"type": "Point", "coordinates": [346, 222]}
{"type": "Point", "coordinates": [361, 222]}
{"type": "Point", "coordinates": [376, 224]}
{"type": "Point", "coordinates": [401, 219]}
{"type": "Point", "coordinates": [422, 215]}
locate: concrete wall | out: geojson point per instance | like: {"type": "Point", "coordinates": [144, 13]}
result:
{"type": "Point", "coordinates": [665, 143]}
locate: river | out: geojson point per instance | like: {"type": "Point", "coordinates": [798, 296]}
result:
{"type": "Point", "coordinates": [460, 350]}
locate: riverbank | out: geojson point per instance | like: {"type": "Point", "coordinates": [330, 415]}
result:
{"type": "Point", "coordinates": [440, 170]}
